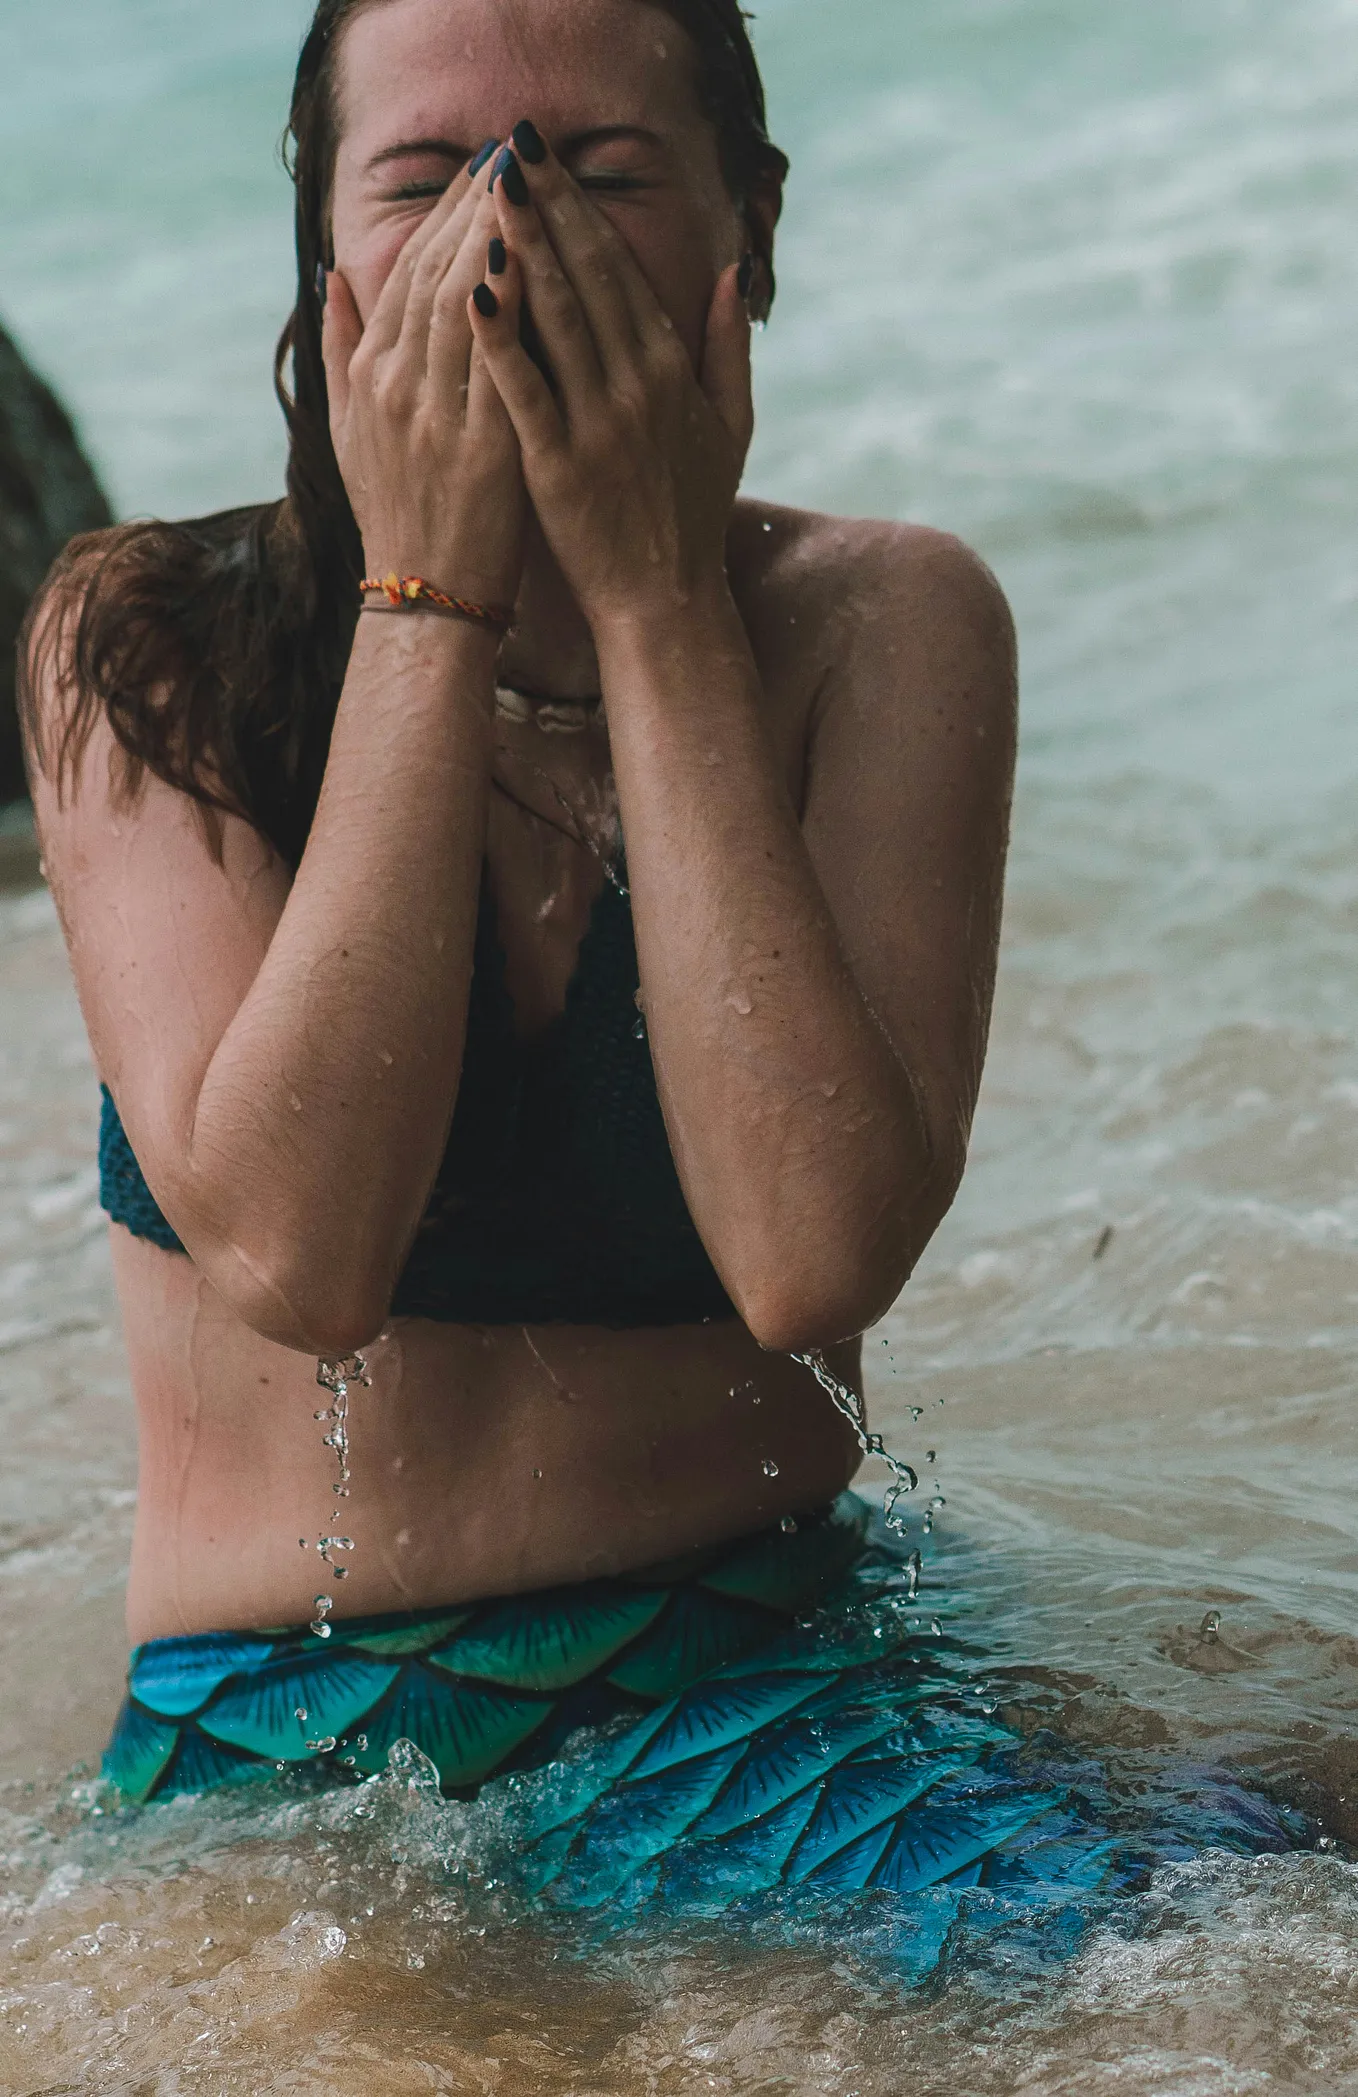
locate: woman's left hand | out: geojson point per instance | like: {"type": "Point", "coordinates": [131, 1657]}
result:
{"type": "Point", "coordinates": [634, 461]}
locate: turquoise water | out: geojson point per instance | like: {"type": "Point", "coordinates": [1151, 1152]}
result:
{"type": "Point", "coordinates": [1081, 284]}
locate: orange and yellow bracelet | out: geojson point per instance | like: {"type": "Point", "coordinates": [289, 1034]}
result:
{"type": "Point", "coordinates": [411, 593]}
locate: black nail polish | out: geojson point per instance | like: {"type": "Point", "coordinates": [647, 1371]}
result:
{"type": "Point", "coordinates": [483, 156]}
{"type": "Point", "coordinates": [528, 143]}
{"type": "Point", "coordinates": [745, 277]}
{"type": "Point", "coordinates": [322, 286]}
{"type": "Point", "coordinates": [498, 165]}
{"type": "Point", "coordinates": [496, 256]}
{"type": "Point", "coordinates": [512, 181]}
{"type": "Point", "coordinates": [485, 302]}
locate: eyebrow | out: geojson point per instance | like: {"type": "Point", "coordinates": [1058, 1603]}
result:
{"type": "Point", "coordinates": [452, 149]}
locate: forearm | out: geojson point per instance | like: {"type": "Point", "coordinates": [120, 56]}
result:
{"type": "Point", "coordinates": [799, 1134]}
{"type": "Point", "coordinates": [322, 1115]}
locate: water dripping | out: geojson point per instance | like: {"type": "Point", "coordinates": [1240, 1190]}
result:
{"type": "Point", "coordinates": [1209, 1631]}
{"type": "Point", "coordinates": [339, 1375]}
{"type": "Point", "coordinates": [854, 1409]}
{"type": "Point", "coordinates": [914, 1573]}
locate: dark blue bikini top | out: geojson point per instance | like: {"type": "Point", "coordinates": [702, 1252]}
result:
{"type": "Point", "coordinates": [557, 1201]}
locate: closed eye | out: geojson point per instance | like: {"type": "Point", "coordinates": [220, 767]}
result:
{"type": "Point", "coordinates": [611, 182]}
{"type": "Point", "coordinates": [417, 192]}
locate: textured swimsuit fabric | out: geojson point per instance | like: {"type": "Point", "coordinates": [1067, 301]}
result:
{"type": "Point", "coordinates": [557, 1201]}
{"type": "Point", "coordinates": [774, 1714]}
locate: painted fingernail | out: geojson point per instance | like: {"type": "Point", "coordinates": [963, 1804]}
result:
{"type": "Point", "coordinates": [528, 143]}
{"type": "Point", "coordinates": [745, 276]}
{"type": "Point", "coordinates": [496, 256]}
{"type": "Point", "coordinates": [322, 285]}
{"type": "Point", "coordinates": [512, 182]}
{"type": "Point", "coordinates": [498, 165]}
{"type": "Point", "coordinates": [485, 302]}
{"type": "Point", "coordinates": [483, 156]}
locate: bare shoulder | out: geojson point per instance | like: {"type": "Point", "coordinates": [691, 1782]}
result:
{"type": "Point", "coordinates": [868, 614]}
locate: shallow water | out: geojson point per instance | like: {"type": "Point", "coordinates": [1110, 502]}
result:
{"type": "Point", "coordinates": [1076, 282]}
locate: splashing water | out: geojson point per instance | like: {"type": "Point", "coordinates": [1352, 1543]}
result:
{"type": "Point", "coordinates": [854, 1408]}
{"type": "Point", "coordinates": [338, 1375]}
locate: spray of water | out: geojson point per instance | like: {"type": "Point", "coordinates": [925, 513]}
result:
{"type": "Point", "coordinates": [338, 1375]}
{"type": "Point", "coordinates": [854, 1408]}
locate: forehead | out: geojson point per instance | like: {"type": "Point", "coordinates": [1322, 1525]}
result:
{"type": "Point", "coordinates": [469, 69]}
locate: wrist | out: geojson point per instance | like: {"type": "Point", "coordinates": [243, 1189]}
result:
{"type": "Point", "coordinates": [448, 648]}
{"type": "Point", "coordinates": [669, 623]}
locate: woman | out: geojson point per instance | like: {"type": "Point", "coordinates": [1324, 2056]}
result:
{"type": "Point", "coordinates": [403, 1055]}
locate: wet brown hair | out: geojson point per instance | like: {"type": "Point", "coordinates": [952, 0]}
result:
{"type": "Point", "coordinates": [217, 647]}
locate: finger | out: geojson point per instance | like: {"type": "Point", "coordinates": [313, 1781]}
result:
{"type": "Point", "coordinates": [454, 207]}
{"type": "Point", "coordinates": [504, 306]}
{"type": "Point", "coordinates": [459, 246]}
{"type": "Point", "coordinates": [341, 333]}
{"type": "Point", "coordinates": [725, 376]}
{"type": "Point", "coordinates": [557, 312]}
{"type": "Point", "coordinates": [596, 261]}
{"type": "Point", "coordinates": [445, 352]}
{"type": "Point", "coordinates": [495, 311]}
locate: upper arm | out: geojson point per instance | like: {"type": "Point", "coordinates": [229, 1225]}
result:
{"type": "Point", "coordinates": [907, 803]}
{"type": "Point", "coordinates": [168, 911]}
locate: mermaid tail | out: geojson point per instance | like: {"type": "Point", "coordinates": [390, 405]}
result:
{"type": "Point", "coordinates": [765, 1716]}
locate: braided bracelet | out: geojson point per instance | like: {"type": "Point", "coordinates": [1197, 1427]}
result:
{"type": "Point", "coordinates": [409, 593]}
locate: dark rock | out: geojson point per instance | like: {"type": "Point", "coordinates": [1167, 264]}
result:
{"type": "Point", "coordinates": [48, 492]}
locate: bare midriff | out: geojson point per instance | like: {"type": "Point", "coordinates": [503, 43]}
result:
{"type": "Point", "coordinates": [486, 1460]}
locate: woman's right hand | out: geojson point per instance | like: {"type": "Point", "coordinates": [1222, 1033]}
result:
{"type": "Point", "coordinates": [428, 454]}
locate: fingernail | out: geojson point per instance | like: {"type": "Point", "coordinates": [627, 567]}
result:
{"type": "Point", "coordinates": [512, 182]}
{"type": "Point", "coordinates": [498, 165]}
{"type": "Point", "coordinates": [496, 256]}
{"type": "Point", "coordinates": [485, 302]}
{"type": "Point", "coordinates": [745, 277]}
{"type": "Point", "coordinates": [528, 142]}
{"type": "Point", "coordinates": [483, 156]}
{"type": "Point", "coordinates": [322, 285]}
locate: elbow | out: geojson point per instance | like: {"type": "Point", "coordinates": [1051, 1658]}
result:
{"type": "Point", "coordinates": [810, 1319]}
{"type": "Point", "coordinates": [806, 1306]}
{"type": "Point", "coordinates": [847, 1283]}
{"type": "Point", "coordinates": [307, 1304]}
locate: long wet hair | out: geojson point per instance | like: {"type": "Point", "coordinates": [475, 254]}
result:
{"type": "Point", "coordinates": [217, 647]}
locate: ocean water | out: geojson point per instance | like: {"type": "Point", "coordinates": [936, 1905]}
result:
{"type": "Point", "coordinates": [1080, 283]}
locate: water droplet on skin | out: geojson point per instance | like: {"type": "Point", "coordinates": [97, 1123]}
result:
{"type": "Point", "coordinates": [1210, 1629]}
{"type": "Point", "coordinates": [536, 1472]}
{"type": "Point", "coordinates": [341, 1572]}
{"type": "Point", "coordinates": [296, 1104]}
{"type": "Point", "coordinates": [742, 1004]}
{"type": "Point", "coordinates": [768, 527]}
{"type": "Point", "coordinates": [321, 1629]}
{"type": "Point", "coordinates": [770, 1467]}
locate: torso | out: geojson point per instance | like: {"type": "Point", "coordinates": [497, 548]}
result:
{"type": "Point", "coordinates": [490, 1460]}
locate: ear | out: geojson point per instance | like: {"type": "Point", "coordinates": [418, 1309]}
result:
{"type": "Point", "coordinates": [762, 210]}
{"type": "Point", "coordinates": [725, 374]}
{"type": "Point", "coordinates": [341, 333]}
